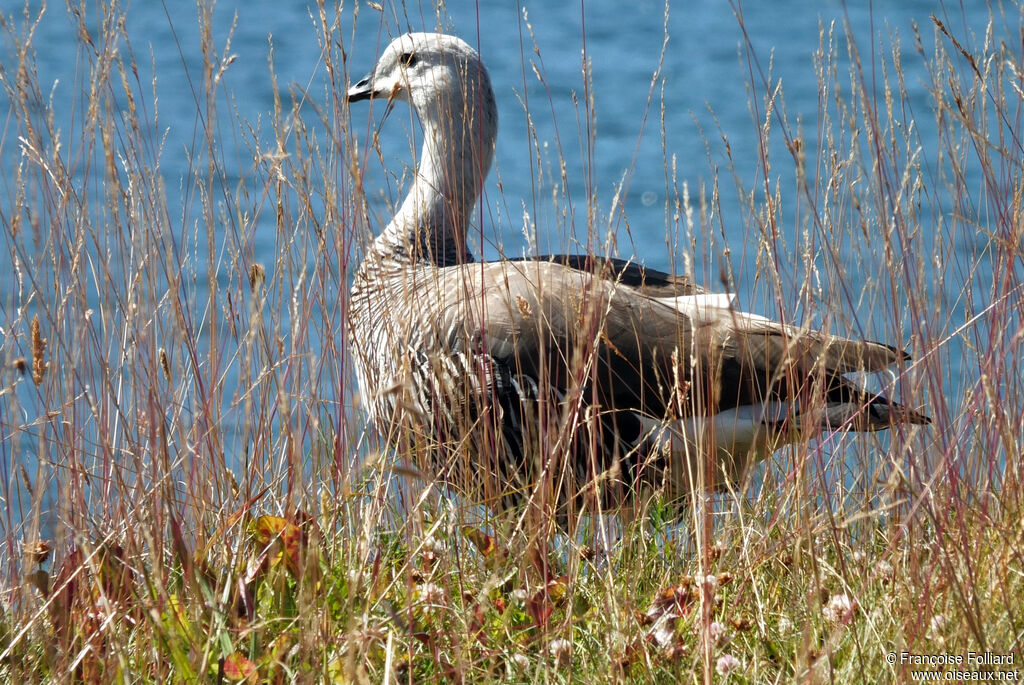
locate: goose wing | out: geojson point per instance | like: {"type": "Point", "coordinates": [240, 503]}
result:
{"type": "Point", "coordinates": [561, 324]}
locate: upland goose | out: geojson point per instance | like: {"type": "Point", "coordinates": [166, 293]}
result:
{"type": "Point", "coordinates": [558, 376]}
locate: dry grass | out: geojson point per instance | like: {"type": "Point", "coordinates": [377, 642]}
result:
{"type": "Point", "coordinates": [189, 494]}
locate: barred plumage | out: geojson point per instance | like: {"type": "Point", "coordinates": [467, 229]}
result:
{"type": "Point", "coordinates": [572, 373]}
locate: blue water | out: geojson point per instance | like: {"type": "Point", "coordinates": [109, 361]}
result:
{"type": "Point", "coordinates": [710, 86]}
{"type": "Point", "coordinates": [706, 78]}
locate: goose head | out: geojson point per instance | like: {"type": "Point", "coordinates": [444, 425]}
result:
{"type": "Point", "coordinates": [439, 75]}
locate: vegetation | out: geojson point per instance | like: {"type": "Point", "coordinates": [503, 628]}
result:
{"type": "Point", "coordinates": [189, 494]}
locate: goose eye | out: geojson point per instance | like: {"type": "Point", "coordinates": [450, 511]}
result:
{"type": "Point", "coordinates": [409, 59]}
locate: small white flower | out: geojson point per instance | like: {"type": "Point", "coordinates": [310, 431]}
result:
{"type": "Point", "coordinates": [938, 624]}
{"type": "Point", "coordinates": [434, 545]}
{"type": "Point", "coordinates": [432, 597]}
{"type": "Point", "coordinates": [837, 609]}
{"type": "Point", "coordinates": [663, 632]}
{"type": "Point", "coordinates": [521, 662]}
{"type": "Point", "coordinates": [520, 595]}
{"type": "Point", "coordinates": [883, 570]}
{"type": "Point", "coordinates": [561, 650]}
{"type": "Point", "coordinates": [717, 633]}
{"type": "Point", "coordinates": [710, 583]}
{"type": "Point", "coordinates": [664, 636]}
{"type": "Point", "coordinates": [785, 625]}
{"type": "Point", "coordinates": [726, 664]}
{"type": "Point", "coordinates": [859, 556]}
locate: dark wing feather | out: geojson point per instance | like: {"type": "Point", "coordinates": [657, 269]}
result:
{"type": "Point", "coordinates": [650, 282]}
{"type": "Point", "coordinates": [536, 314]}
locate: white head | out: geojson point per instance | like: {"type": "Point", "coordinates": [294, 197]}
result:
{"type": "Point", "coordinates": [439, 75]}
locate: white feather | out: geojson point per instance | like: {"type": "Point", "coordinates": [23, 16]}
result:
{"type": "Point", "coordinates": [732, 433]}
{"type": "Point", "coordinates": [703, 308]}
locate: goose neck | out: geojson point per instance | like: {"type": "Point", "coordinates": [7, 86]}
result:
{"type": "Point", "coordinates": [432, 223]}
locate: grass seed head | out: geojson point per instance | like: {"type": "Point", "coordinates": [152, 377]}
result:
{"type": "Point", "coordinates": [39, 363]}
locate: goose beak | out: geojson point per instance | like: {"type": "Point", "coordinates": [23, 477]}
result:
{"type": "Point", "coordinates": [362, 90]}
